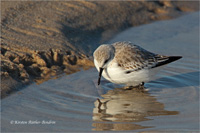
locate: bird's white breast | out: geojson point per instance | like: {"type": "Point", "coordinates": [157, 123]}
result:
{"type": "Point", "coordinates": [118, 75]}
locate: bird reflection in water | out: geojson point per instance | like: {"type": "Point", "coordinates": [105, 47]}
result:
{"type": "Point", "coordinates": [120, 109]}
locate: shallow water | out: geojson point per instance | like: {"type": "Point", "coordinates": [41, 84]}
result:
{"type": "Point", "coordinates": [70, 103]}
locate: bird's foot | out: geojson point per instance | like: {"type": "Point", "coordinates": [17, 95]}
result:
{"type": "Point", "coordinates": [139, 87]}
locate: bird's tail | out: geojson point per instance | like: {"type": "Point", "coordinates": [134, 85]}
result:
{"type": "Point", "coordinates": [167, 60]}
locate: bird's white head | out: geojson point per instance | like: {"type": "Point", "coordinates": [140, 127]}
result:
{"type": "Point", "coordinates": [102, 57]}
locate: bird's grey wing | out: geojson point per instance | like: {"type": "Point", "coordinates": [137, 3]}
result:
{"type": "Point", "coordinates": [133, 58]}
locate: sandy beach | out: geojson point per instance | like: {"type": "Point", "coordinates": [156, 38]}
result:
{"type": "Point", "coordinates": [40, 40]}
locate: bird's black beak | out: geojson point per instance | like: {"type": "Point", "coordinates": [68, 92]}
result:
{"type": "Point", "coordinates": [100, 73]}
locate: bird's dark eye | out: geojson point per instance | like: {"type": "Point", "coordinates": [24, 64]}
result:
{"type": "Point", "coordinates": [106, 61]}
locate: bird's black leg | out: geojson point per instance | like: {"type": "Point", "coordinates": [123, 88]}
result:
{"type": "Point", "coordinates": [141, 86]}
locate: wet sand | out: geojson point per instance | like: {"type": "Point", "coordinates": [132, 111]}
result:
{"type": "Point", "coordinates": [42, 39]}
{"type": "Point", "coordinates": [169, 103]}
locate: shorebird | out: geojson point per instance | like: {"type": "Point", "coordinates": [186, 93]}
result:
{"type": "Point", "coordinates": [127, 63]}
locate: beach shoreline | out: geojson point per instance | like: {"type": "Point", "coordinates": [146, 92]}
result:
{"type": "Point", "coordinates": [40, 40]}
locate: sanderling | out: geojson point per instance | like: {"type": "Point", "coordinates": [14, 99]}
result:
{"type": "Point", "coordinates": [127, 63]}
